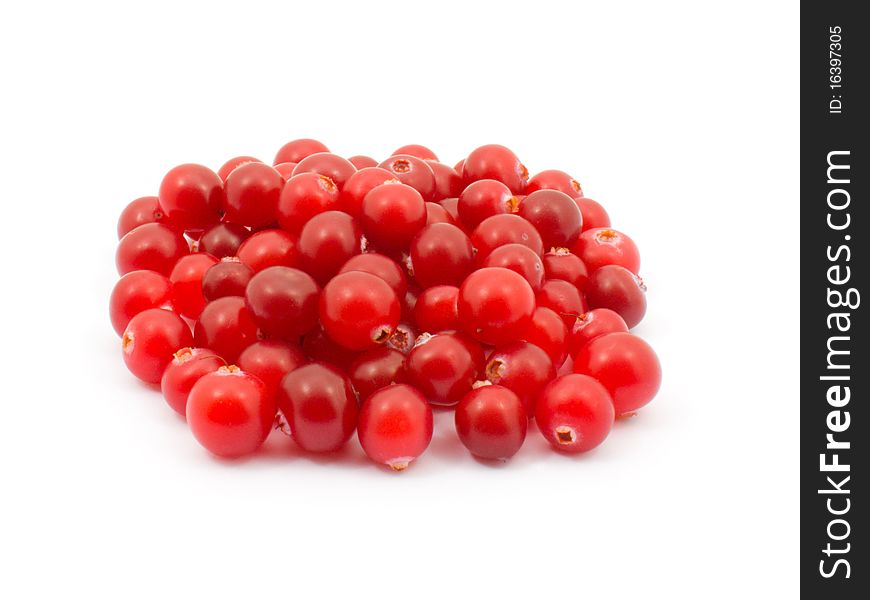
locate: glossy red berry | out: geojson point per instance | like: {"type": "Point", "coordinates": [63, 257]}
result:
{"type": "Point", "coordinates": [138, 212]}
{"type": "Point", "coordinates": [270, 361]}
{"type": "Point", "coordinates": [593, 213]}
{"type": "Point", "coordinates": [320, 407]}
{"type": "Point", "coordinates": [451, 205]}
{"type": "Point", "coordinates": [620, 290]}
{"type": "Point", "coordinates": [335, 167]}
{"type": "Point", "coordinates": [270, 248]}
{"type": "Point", "coordinates": [326, 243]}
{"type": "Point", "coordinates": [555, 215]}
{"type": "Point", "coordinates": [441, 254]}
{"type": "Point", "coordinates": [296, 150]}
{"type": "Point", "coordinates": [230, 412]}
{"type": "Point", "coordinates": [523, 368]}
{"type": "Point", "coordinates": [135, 292]}
{"type": "Point", "coordinates": [443, 367]}
{"type": "Point", "coordinates": [491, 422]}
{"type": "Point", "coordinates": [229, 166]}
{"type": "Point", "coordinates": [549, 332]}
{"type": "Point", "coordinates": [395, 426]}
{"type": "Point", "coordinates": [519, 259]}
{"type": "Point", "coordinates": [448, 183]}
{"type": "Point", "coordinates": [360, 161]}
{"type": "Point", "coordinates": [495, 305]}
{"type": "Point", "coordinates": [361, 183]}
{"type": "Point", "coordinates": [359, 310]}
{"type": "Point", "coordinates": [380, 266]}
{"type": "Point", "coordinates": [283, 302]}
{"type": "Point", "coordinates": [150, 247]}
{"type": "Point", "coordinates": [435, 213]}
{"type": "Point", "coordinates": [319, 347]}
{"type": "Point", "coordinates": [501, 230]}
{"type": "Point", "coordinates": [413, 172]}
{"type": "Point", "coordinates": [553, 179]}
{"type": "Point", "coordinates": [574, 413]}
{"type": "Point", "coordinates": [224, 239]}
{"type": "Point", "coordinates": [227, 327]}
{"type": "Point", "coordinates": [185, 369]}
{"type": "Point", "coordinates": [252, 192]}
{"type": "Point", "coordinates": [496, 162]}
{"type": "Point", "coordinates": [305, 195]}
{"type": "Point", "coordinates": [483, 199]}
{"type": "Point", "coordinates": [436, 309]}
{"type": "Point", "coordinates": [391, 215]}
{"type": "Point", "coordinates": [600, 247]}
{"type": "Point", "coordinates": [286, 169]}
{"type": "Point", "coordinates": [625, 365]}
{"type": "Point", "coordinates": [563, 298]}
{"type": "Point", "coordinates": [560, 263]}
{"type": "Point", "coordinates": [229, 277]}
{"type": "Point", "coordinates": [192, 197]}
{"type": "Point", "coordinates": [186, 278]}
{"type": "Point", "coordinates": [376, 369]}
{"type": "Point", "coordinates": [592, 324]}
{"type": "Point", "coordinates": [151, 339]}
{"type": "Point", "coordinates": [421, 152]}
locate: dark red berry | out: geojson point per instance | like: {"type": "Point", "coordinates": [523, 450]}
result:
{"type": "Point", "coordinates": [483, 199]}
{"type": "Point", "coordinates": [496, 162]}
{"type": "Point", "coordinates": [560, 263]}
{"type": "Point", "coordinates": [501, 230]}
{"type": "Point", "coordinates": [555, 215]}
{"type": "Point", "coordinates": [376, 369]}
{"type": "Point", "coordinates": [338, 169]}
{"type": "Point", "coordinates": [361, 183]}
{"type": "Point", "coordinates": [227, 327]}
{"type": "Point", "coordinates": [523, 368]}
{"type": "Point", "coordinates": [519, 259]}
{"type": "Point", "coordinates": [448, 183]}
{"type": "Point", "coordinates": [326, 243]}
{"type": "Point", "coordinates": [441, 254]}
{"type": "Point", "coordinates": [592, 324]}
{"type": "Point", "coordinates": [229, 277]}
{"type": "Point", "coordinates": [548, 332]}
{"type": "Point", "coordinates": [620, 290]}
{"type": "Point", "coordinates": [380, 266]}
{"type": "Point", "coordinates": [443, 367]}
{"type": "Point", "coordinates": [270, 361]}
{"type": "Point", "coordinates": [270, 248]}
{"type": "Point", "coordinates": [563, 298]}
{"type": "Point", "coordinates": [435, 213]}
{"type": "Point", "coordinates": [391, 215]}
{"type": "Point", "coordinates": [491, 422]}
{"type": "Point", "coordinates": [192, 197]}
{"type": "Point", "coordinates": [252, 192]}
{"type": "Point", "coordinates": [436, 310]}
{"type": "Point", "coordinates": [283, 302]}
{"type": "Point", "coordinates": [185, 369]}
{"type": "Point", "coordinates": [224, 239]}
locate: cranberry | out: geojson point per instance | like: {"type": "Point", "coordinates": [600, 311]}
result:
{"type": "Point", "coordinates": [563, 298]}
{"type": "Point", "coordinates": [223, 239]}
{"type": "Point", "coordinates": [380, 266]}
{"type": "Point", "coordinates": [451, 205]}
{"type": "Point", "coordinates": [270, 248]}
{"type": "Point", "coordinates": [496, 162]}
{"type": "Point", "coordinates": [296, 150]}
{"type": "Point", "coordinates": [409, 302]}
{"type": "Point", "coordinates": [412, 171]}
{"type": "Point", "coordinates": [495, 305]}
{"type": "Point", "coordinates": [286, 169]}
{"type": "Point", "coordinates": [186, 279]}
{"type": "Point", "coordinates": [192, 197]}
{"type": "Point", "coordinates": [620, 290]}
{"type": "Point", "coordinates": [135, 292]}
{"type": "Point", "coordinates": [625, 365]}
{"type": "Point", "coordinates": [491, 422]}
{"type": "Point", "coordinates": [229, 277]}
{"type": "Point", "coordinates": [226, 326]}
{"type": "Point", "coordinates": [185, 369]}
{"type": "Point", "coordinates": [252, 192]}
{"type": "Point", "coordinates": [305, 195]}
{"type": "Point", "coordinates": [231, 165]}
{"type": "Point", "coordinates": [359, 310]}
{"type": "Point", "coordinates": [560, 263]}
{"type": "Point", "coordinates": [150, 247]}
{"type": "Point", "coordinates": [485, 198]}
{"type": "Point", "coordinates": [376, 369]}
{"type": "Point", "coordinates": [319, 347]}
{"type": "Point", "coordinates": [519, 259]}
{"type": "Point", "coordinates": [553, 179]}
{"type": "Point", "coordinates": [391, 215]}
{"type": "Point", "coordinates": [548, 332]}
{"type": "Point", "coordinates": [229, 412]}
{"type": "Point", "coordinates": [283, 302]}
{"type": "Point", "coordinates": [435, 213]}
{"type": "Point", "coordinates": [441, 255]}
{"type": "Point", "coordinates": [338, 169]}
{"type": "Point", "coordinates": [150, 340]}
{"type": "Point", "coordinates": [555, 216]}
{"type": "Point", "coordinates": [459, 167]}
{"type": "Point", "coordinates": [448, 183]}
{"type": "Point", "coordinates": [593, 213]}
{"type": "Point", "coordinates": [320, 407]}
{"type": "Point", "coordinates": [138, 212]}
{"type": "Point", "coordinates": [361, 183]}
{"type": "Point", "coordinates": [595, 323]}
{"type": "Point", "coordinates": [395, 426]}
{"type": "Point", "coordinates": [599, 247]}
{"type": "Point", "coordinates": [361, 161]}
{"type": "Point", "coordinates": [270, 361]}
{"type": "Point", "coordinates": [327, 242]}
{"type": "Point", "coordinates": [500, 230]}
{"type": "Point", "coordinates": [443, 367]}
{"type": "Point", "coordinates": [574, 413]}
{"type": "Point", "coordinates": [524, 369]}
{"type": "Point", "coordinates": [436, 311]}
{"type": "Point", "coordinates": [416, 150]}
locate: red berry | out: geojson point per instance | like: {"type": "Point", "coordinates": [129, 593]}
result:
{"type": "Point", "coordinates": [391, 215]}
{"type": "Point", "coordinates": [286, 169]}
{"type": "Point", "coordinates": [436, 311]}
{"type": "Point", "coordinates": [223, 239]}
{"type": "Point", "coordinates": [600, 247]}
{"type": "Point", "coordinates": [495, 305]}
{"type": "Point", "coordinates": [451, 205]}
{"type": "Point", "coordinates": [320, 407]}
{"type": "Point", "coordinates": [138, 212]}
{"type": "Point", "coordinates": [192, 197]}
{"type": "Point", "coordinates": [443, 367]}
{"type": "Point", "coordinates": [416, 150]}
{"type": "Point", "coordinates": [448, 183]}
{"type": "Point", "coordinates": [283, 302]}
{"type": "Point", "coordinates": [410, 301]}
{"type": "Point", "coordinates": [574, 413]}
{"type": "Point", "coordinates": [412, 171]}
{"type": "Point", "coordinates": [361, 161]}
{"type": "Point", "coordinates": [548, 332]}
{"type": "Point", "coordinates": [491, 422]}
{"type": "Point", "coordinates": [555, 216]}
{"type": "Point", "coordinates": [522, 368]}
{"type": "Point", "coordinates": [150, 340]}
{"type": "Point", "coordinates": [338, 169]}
{"type": "Point", "coordinates": [496, 162]}
{"type": "Point", "coordinates": [553, 179]}
{"type": "Point", "coordinates": [229, 412]}
{"type": "Point", "coordinates": [185, 369]}
{"type": "Point", "coordinates": [359, 310]}
{"type": "Point", "coordinates": [563, 298]}
{"type": "Point", "coordinates": [229, 166]}
{"type": "Point", "coordinates": [186, 279]}
{"type": "Point", "coordinates": [296, 150]}
{"type": "Point", "coordinates": [594, 215]}
{"type": "Point", "coordinates": [376, 369]}
{"type": "Point", "coordinates": [136, 292]}
{"type": "Point", "coordinates": [501, 230]}
{"type": "Point", "coordinates": [252, 192]}
{"type": "Point", "coordinates": [270, 361]}
{"type": "Point", "coordinates": [319, 347]}
{"type": "Point", "coordinates": [226, 326]}
{"type": "Point", "coordinates": [435, 213]}
{"type": "Point", "coordinates": [379, 266]}
{"type": "Point", "coordinates": [326, 243]}
{"type": "Point", "coordinates": [395, 426]}
{"type": "Point", "coordinates": [519, 259]}
{"type": "Point", "coordinates": [270, 248]}
{"type": "Point", "coordinates": [592, 324]}
{"type": "Point", "coordinates": [150, 247]}
{"type": "Point", "coordinates": [620, 290]}
{"type": "Point", "coordinates": [305, 195]}
{"type": "Point", "coordinates": [229, 277]}
{"type": "Point", "coordinates": [625, 365]}
{"type": "Point", "coordinates": [483, 199]}
{"type": "Point", "coordinates": [441, 255]}
{"type": "Point", "coordinates": [361, 183]}
{"type": "Point", "coordinates": [560, 263]}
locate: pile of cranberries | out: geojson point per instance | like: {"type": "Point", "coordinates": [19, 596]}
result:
{"type": "Point", "coordinates": [324, 295]}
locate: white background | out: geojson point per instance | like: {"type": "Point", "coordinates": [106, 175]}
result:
{"type": "Point", "coordinates": [681, 118]}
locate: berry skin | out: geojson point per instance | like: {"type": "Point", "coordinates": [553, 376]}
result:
{"type": "Point", "coordinates": [594, 215]}
{"type": "Point", "coordinates": [395, 426]}
{"type": "Point", "coordinates": [500, 230]}
{"type": "Point", "coordinates": [563, 298]}
{"type": "Point", "coordinates": [491, 422]}
{"type": "Point", "coordinates": [296, 150]}
{"type": "Point", "coordinates": [553, 179]}
{"type": "Point", "coordinates": [485, 198]}
{"type": "Point", "coordinates": [138, 212]}
{"type": "Point", "coordinates": [270, 248]}
{"type": "Point", "coordinates": [136, 292]}
{"type": "Point", "coordinates": [326, 243]}
{"type": "Point", "coordinates": [151, 339]}
{"type": "Point", "coordinates": [376, 369]}
{"type": "Point", "coordinates": [448, 183]}
{"type": "Point", "coordinates": [436, 309]}
{"type": "Point", "coordinates": [441, 254]}
{"type": "Point", "coordinates": [338, 169]}
{"type": "Point", "coordinates": [416, 150]}
{"type": "Point", "coordinates": [229, 277]}
{"type": "Point", "coordinates": [192, 197]}
{"type": "Point", "coordinates": [270, 361]}
{"type": "Point", "coordinates": [361, 161]}
{"type": "Point", "coordinates": [595, 323]}
{"type": "Point", "coordinates": [391, 215]}
{"type": "Point", "coordinates": [620, 290]}
{"type": "Point", "coordinates": [443, 367]}
{"type": "Point", "coordinates": [319, 347]}
{"type": "Point", "coordinates": [150, 247]}
{"type": "Point", "coordinates": [359, 310]}
{"type": "Point", "coordinates": [230, 413]}
{"type": "Point", "coordinates": [524, 369]}
{"type": "Point", "coordinates": [304, 196]}
{"type": "Point", "coordinates": [605, 246]}
{"type": "Point", "coordinates": [548, 332]}
{"type": "Point", "coordinates": [231, 165]}
{"type": "Point", "coordinates": [496, 162]}
{"type": "Point", "coordinates": [625, 365]}
{"type": "Point", "coordinates": [574, 413]}
{"type": "Point", "coordinates": [361, 183]}
{"type": "Point", "coordinates": [519, 259]}
{"type": "Point", "coordinates": [186, 279]}
{"type": "Point", "coordinates": [380, 266]}
{"type": "Point", "coordinates": [413, 172]}
{"type": "Point", "coordinates": [320, 407]}
{"type": "Point", "coordinates": [451, 205]}
{"type": "Point", "coordinates": [226, 326]}
{"type": "Point", "coordinates": [495, 305]}
{"type": "Point", "coordinates": [555, 215]}
{"type": "Point", "coordinates": [435, 213]}
{"type": "Point", "coordinates": [185, 369]}
{"type": "Point", "coordinates": [283, 302]}
{"type": "Point", "coordinates": [285, 169]}
{"type": "Point", "coordinates": [560, 263]}
{"type": "Point", "coordinates": [223, 239]}
{"type": "Point", "coordinates": [252, 192]}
